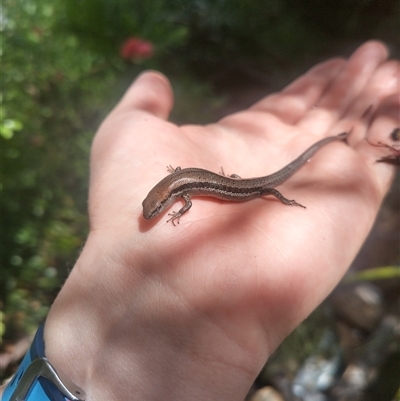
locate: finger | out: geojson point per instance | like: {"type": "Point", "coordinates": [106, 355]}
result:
{"type": "Point", "coordinates": [150, 92]}
{"type": "Point", "coordinates": [297, 98]}
{"type": "Point", "coordinates": [384, 121]}
{"type": "Point", "coordinates": [354, 76]}
{"type": "Point", "coordinates": [345, 88]}
{"type": "Point", "coordinates": [377, 100]}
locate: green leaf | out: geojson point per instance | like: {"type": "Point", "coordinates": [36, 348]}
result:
{"type": "Point", "coordinates": [8, 127]}
{"type": "Point", "coordinates": [377, 273]}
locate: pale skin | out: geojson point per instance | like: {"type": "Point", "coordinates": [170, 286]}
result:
{"type": "Point", "coordinates": [151, 311]}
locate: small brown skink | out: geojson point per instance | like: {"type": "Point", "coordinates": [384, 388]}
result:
{"type": "Point", "coordinates": [188, 182]}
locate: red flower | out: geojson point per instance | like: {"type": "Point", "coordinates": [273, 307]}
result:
{"type": "Point", "coordinates": [136, 48]}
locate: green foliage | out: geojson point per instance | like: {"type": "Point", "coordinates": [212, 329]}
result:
{"type": "Point", "coordinates": [53, 95]}
{"type": "Point", "coordinates": [352, 19]}
{"type": "Point", "coordinates": [8, 127]}
{"type": "Point", "coordinates": [203, 34]}
{"type": "Point", "coordinates": [2, 325]}
{"type": "Point", "coordinates": [231, 31]}
{"type": "Point", "coordinates": [208, 35]}
{"type": "Point", "coordinates": [105, 24]}
{"type": "Point", "coordinates": [375, 274]}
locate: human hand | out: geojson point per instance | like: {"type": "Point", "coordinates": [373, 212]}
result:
{"type": "Point", "coordinates": [192, 312]}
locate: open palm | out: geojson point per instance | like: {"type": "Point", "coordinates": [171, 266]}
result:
{"type": "Point", "coordinates": [232, 279]}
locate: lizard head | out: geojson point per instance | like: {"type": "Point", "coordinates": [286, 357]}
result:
{"type": "Point", "coordinates": [155, 203]}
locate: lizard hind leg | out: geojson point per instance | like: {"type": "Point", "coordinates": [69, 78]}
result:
{"type": "Point", "coordinates": [278, 195]}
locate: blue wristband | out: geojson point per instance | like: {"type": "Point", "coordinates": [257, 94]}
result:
{"type": "Point", "coordinates": [37, 380]}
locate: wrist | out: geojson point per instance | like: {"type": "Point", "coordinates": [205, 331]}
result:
{"type": "Point", "coordinates": [121, 330]}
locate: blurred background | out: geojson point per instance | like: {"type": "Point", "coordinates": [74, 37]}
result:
{"type": "Point", "coordinates": [65, 63]}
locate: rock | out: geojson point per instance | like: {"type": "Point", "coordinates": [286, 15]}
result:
{"type": "Point", "coordinates": [360, 305]}
{"type": "Point", "coordinates": [266, 394]}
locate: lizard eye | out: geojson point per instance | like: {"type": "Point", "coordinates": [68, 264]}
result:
{"type": "Point", "coordinates": [156, 210]}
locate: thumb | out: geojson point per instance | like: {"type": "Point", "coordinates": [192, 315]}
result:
{"type": "Point", "coordinates": [150, 92]}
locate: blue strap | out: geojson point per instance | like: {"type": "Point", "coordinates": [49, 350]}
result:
{"type": "Point", "coordinates": [42, 389]}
